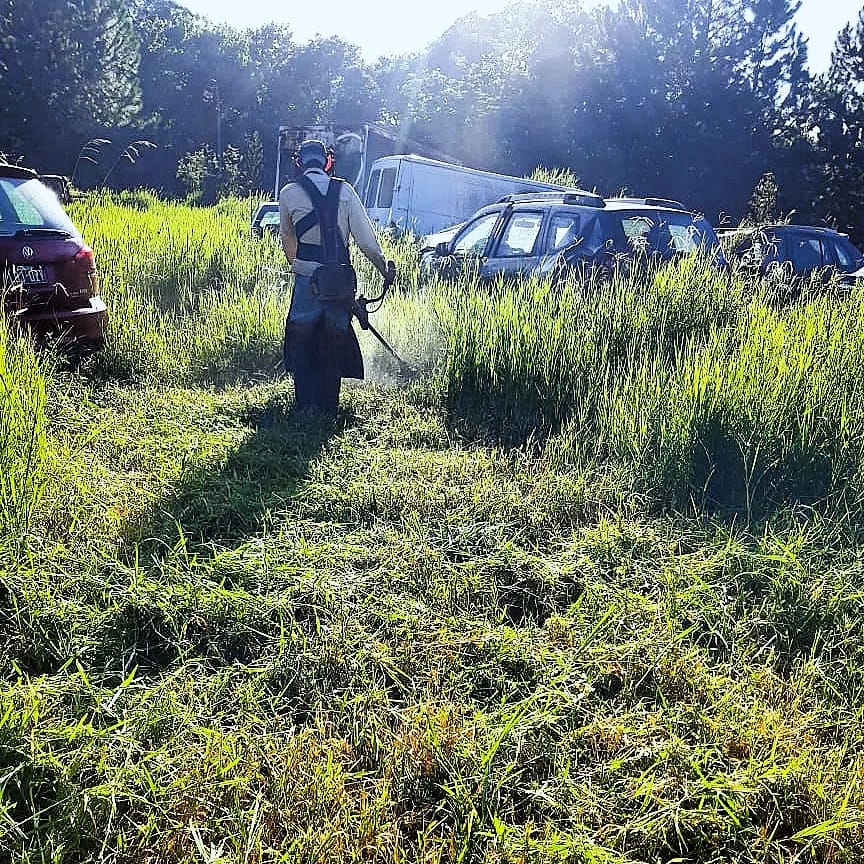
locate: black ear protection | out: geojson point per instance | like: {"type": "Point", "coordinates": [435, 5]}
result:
{"type": "Point", "coordinates": [329, 165]}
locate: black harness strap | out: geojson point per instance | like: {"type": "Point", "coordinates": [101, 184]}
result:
{"type": "Point", "coordinates": [325, 214]}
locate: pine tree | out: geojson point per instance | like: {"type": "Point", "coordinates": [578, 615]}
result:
{"type": "Point", "coordinates": [838, 123]}
{"type": "Point", "coordinates": [762, 209]}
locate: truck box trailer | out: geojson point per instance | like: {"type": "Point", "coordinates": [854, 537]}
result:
{"type": "Point", "coordinates": [355, 148]}
{"type": "Point", "coordinates": [421, 195]}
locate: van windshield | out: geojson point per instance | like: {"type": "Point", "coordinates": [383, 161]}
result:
{"type": "Point", "coordinates": [385, 192]}
{"type": "Point", "coordinates": [372, 188]}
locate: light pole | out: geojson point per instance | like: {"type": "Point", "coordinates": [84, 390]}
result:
{"type": "Point", "coordinates": [213, 94]}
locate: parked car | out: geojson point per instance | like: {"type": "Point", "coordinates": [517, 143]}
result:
{"type": "Point", "coordinates": [266, 218]}
{"type": "Point", "coordinates": [559, 232]}
{"type": "Point", "coordinates": [48, 277]}
{"type": "Point", "coordinates": [60, 185]}
{"type": "Point", "coordinates": [799, 250]}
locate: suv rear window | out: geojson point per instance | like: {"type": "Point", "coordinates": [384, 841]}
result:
{"type": "Point", "coordinates": [30, 204]}
{"type": "Point", "coordinates": [661, 231]}
{"type": "Point", "coordinates": [563, 231]}
{"type": "Point", "coordinates": [847, 255]}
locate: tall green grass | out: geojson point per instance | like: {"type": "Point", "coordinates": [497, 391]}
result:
{"type": "Point", "coordinates": [23, 444]}
{"type": "Point", "coordinates": [702, 385]}
{"type": "Point", "coordinates": [456, 624]}
{"type": "Point", "coordinates": [191, 295]}
{"type": "Point", "coordinates": [696, 381]}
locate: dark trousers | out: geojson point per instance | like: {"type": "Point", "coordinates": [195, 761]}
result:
{"type": "Point", "coordinates": [314, 355]}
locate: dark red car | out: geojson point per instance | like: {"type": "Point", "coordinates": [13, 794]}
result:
{"type": "Point", "coordinates": [48, 278]}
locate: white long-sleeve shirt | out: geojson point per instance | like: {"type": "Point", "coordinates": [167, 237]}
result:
{"type": "Point", "coordinates": [353, 221]}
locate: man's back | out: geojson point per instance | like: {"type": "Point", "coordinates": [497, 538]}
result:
{"type": "Point", "coordinates": [353, 221]}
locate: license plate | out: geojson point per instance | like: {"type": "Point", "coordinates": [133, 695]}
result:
{"type": "Point", "coordinates": [29, 274]}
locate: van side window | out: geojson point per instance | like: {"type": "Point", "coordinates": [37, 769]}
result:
{"type": "Point", "coordinates": [372, 188]}
{"type": "Point", "coordinates": [385, 192]}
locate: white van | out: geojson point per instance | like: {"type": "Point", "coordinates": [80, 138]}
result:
{"type": "Point", "coordinates": [412, 193]}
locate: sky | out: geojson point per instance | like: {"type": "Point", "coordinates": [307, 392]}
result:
{"type": "Point", "coordinates": [386, 27]}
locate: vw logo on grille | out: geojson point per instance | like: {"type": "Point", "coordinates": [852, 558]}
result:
{"type": "Point", "coordinates": [27, 251]}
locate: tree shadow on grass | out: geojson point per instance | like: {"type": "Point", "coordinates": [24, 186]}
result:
{"type": "Point", "coordinates": [223, 504]}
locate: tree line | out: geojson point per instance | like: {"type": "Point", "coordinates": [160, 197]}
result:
{"type": "Point", "coordinates": [700, 100]}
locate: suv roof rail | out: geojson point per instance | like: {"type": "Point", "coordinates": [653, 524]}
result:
{"type": "Point", "coordinates": [567, 196]}
{"type": "Point", "coordinates": [766, 226]}
{"type": "Point", "coordinates": [651, 202]}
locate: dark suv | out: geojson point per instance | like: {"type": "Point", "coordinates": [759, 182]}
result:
{"type": "Point", "coordinates": [575, 231]}
{"type": "Point", "coordinates": [798, 250]}
{"type": "Point", "coordinates": [48, 278]}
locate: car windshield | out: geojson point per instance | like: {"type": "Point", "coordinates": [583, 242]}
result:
{"type": "Point", "coordinates": [28, 204]}
{"type": "Point", "coordinates": [473, 240]}
{"type": "Point", "coordinates": [660, 231]}
{"type": "Point", "coordinates": [445, 235]}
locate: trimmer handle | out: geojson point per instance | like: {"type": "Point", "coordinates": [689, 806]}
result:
{"type": "Point", "coordinates": [361, 303]}
{"type": "Point", "coordinates": [361, 313]}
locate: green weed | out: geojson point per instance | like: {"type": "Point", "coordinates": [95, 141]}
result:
{"type": "Point", "coordinates": [588, 590]}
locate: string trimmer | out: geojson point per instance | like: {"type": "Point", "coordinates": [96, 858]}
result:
{"type": "Point", "coordinates": [362, 312]}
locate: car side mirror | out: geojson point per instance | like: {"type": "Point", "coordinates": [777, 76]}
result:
{"type": "Point", "coordinates": [442, 250]}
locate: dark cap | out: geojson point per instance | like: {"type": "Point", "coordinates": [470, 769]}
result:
{"type": "Point", "coordinates": [312, 152]}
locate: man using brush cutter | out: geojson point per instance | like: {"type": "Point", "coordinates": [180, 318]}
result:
{"type": "Point", "coordinates": [317, 215]}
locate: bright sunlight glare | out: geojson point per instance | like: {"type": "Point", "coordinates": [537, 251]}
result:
{"type": "Point", "coordinates": [382, 27]}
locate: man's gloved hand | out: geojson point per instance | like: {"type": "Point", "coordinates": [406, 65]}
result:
{"type": "Point", "coordinates": [390, 276]}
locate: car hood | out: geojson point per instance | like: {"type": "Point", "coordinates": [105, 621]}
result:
{"type": "Point", "coordinates": [445, 235]}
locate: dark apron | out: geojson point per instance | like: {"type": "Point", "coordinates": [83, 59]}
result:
{"type": "Point", "coordinates": [310, 321]}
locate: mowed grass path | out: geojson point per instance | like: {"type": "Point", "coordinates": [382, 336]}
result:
{"type": "Point", "coordinates": [229, 635]}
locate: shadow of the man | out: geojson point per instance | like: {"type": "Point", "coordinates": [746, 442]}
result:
{"type": "Point", "coordinates": [221, 505]}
